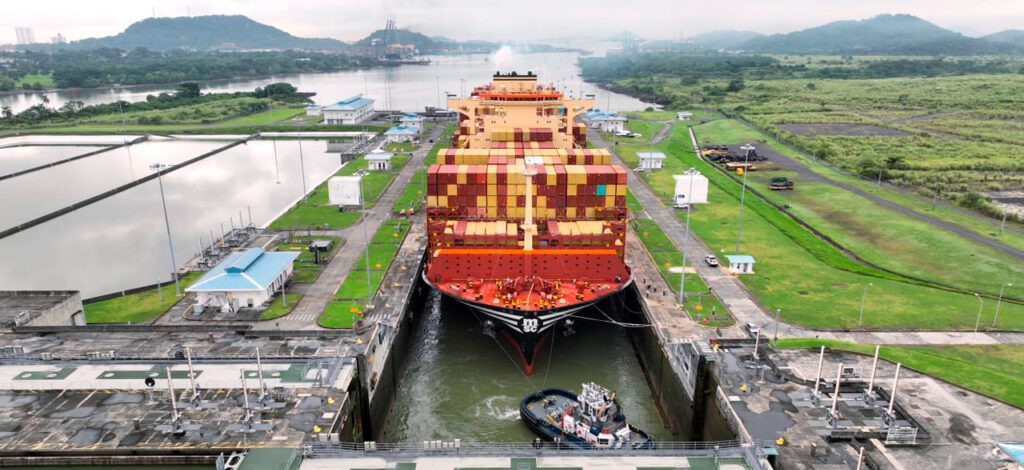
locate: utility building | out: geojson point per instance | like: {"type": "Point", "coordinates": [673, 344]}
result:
{"type": "Point", "coordinates": [695, 192]}
{"type": "Point", "coordinates": [244, 279]}
{"type": "Point", "coordinates": [352, 110]}
{"type": "Point", "coordinates": [651, 160]}
{"type": "Point", "coordinates": [378, 160]}
{"type": "Point", "coordinates": [740, 264]}
{"type": "Point", "coordinates": [344, 191]}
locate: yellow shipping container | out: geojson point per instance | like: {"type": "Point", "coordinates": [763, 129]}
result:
{"type": "Point", "coordinates": [552, 179]}
{"type": "Point", "coordinates": [609, 201]}
{"type": "Point", "coordinates": [451, 190]}
{"type": "Point", "coordinates": [510, 201]}
{"type": "Point", "coordinates": [590, 212]}
{"type": "Point", "coordinates": [492, 201]}
{"type": "Point", "coordinates": [570, 190]}
{"type": "Point", "coordinates": [442, 201]}
{"type": "Point", "coordinates": [492, 212]}
{"type": "Point", "coordinates": [431, 201]}
{"type": "Point", "coordinates": [570, 212]}
{"type": "Point", "coordinates": [541, 201]}
{"type": "Point", "coordinates": [481, 201]}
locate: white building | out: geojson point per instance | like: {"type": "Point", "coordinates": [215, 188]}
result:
{"type": "Point", "coordinates": [740, 264]}
{"type": "Point", "coordinates": [684, 116]}
{"type": "Point", "coordinates": [244, 279]}
{"type": "Point", "coordinates": [608, 122]}
{"type": "Point", "coordinates": [412, 119]}
{"type": "Point", "coordinates": [695, 192]}
{"type": "Point", "coordinates": [344, 190]}
{"type": "Point", "coordinates": [314, 110]}
{"type": "Point", "coordinates": [651, 160]}
{"type": "Point", "coordinates": [402, 133]}
{"type": "Point", "coordinates": [379, 160]}
{"type": "Point", "coordinates": [352, 110]}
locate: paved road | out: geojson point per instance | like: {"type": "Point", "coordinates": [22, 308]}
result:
{"type": "Point", "coordinates": [320, 293]}
{"type": "Point", "coordinates": [745, 306]}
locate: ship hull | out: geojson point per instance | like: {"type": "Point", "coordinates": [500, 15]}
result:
{"type": "Point", "coordinates": [527, 330]}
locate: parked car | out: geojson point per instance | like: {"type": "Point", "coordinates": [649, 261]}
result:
{"type": "Point", "coordinates": [711, 260]}
{"type": "Point", "coordinates": [753, 328]}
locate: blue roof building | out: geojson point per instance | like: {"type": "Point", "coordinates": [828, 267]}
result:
{"type": "Point", "coordinates": [740, 264]}
{"type": "Point", "coordinates": [246, 278]}
{"type": "Point", "coordinates": [351, 110]}
{"type": "Point", "coordinates": [412, 118]}
{"type": "Point", "coordinates": [402, 133]}
{"type": "Point", "coordinates": [608, 122]}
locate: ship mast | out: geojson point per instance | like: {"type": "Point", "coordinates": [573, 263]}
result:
{"type": "Point", "coordinates": [529, 228]}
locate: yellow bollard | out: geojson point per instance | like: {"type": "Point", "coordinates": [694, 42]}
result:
{"type": "Point", "coordinates": [743, 388]}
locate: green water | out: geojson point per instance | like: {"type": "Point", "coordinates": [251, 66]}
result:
{"type": "Point", "coordinates": [462, 384]}
{"type": "Point", "coordinates": [115, 467]}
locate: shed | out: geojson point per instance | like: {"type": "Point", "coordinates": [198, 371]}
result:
{"type": "Point", "coordinates": [699, 186]}
{"type": "Point", "coordinates": [651, 160]}
{"type": "Point", "coordinates": [344, 190]}
{"type": "Point", "coordinates": [412, 119]}
{"type": "Point", "coordinates": [402, 133]}
{"type": "Point", "coordinates": [684, 116]}
{"type": "Point", "coordinates": [740, 264]}
{"type": "Point", "coordinates": [379, 160]}
{"type": "Point", "coordinates": [247, 278]}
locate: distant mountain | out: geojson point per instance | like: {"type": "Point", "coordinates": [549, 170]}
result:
{"type": "Point", "coordinates": [723, 39]}
{"type": "Point", "coordinates": [1010, 36]}
{"type": "Point", "coordinates": [883, 35]}
{"type": "Point", "coordinates": [206, 33]}
{"type": "Point", "coordinates": [422, 42]}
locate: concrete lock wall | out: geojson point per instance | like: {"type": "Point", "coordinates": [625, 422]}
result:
{"type": "Point", "coordinates": [68, 312]}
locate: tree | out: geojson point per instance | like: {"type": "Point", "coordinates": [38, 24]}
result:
{"type": "Point", "coordinates": [6, 112]}
{"type": "Point", "coordinates": [735, 85]}
{"type": "Point", "coordinates": [187, 90]}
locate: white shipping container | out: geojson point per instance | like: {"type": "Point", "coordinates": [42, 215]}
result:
{"type": "Point", "coordinates": [700, 187]}
{"type": "Point", "coordinates": [344, 190]}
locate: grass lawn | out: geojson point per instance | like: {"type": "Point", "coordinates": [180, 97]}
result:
{"type": "Point", "coordinates": [412, 195]}
{"type": "Point", "coordinates": [786, 253]}
{"type": "Point", "coordinates": [306, 270]}
{"type": "Point", "coordinates": [266, 117]}
{"type": "Point", "coordinates": [881, 235]}
{"type": "Point", "coordinates": [702, 307]}
{"type": "Point", "coordinates": [139, 307]}
{"type": "Point", "coordinates": [992, 370]}
{"type": "Point", "coordinates": [317, 210]}
{"type": "Point", "coordinates": [399, 147]}
{"type": "Point", "coordinates": [353, 290]}
{"type": "Point", "coordinates": [341, 314]}
{"type": "Point", "coordinates": [45, 80]}
{"type": "Point", "coordinates": [277, 309]}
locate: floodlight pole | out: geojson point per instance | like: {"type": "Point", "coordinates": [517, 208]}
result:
{"type": "Point", "coordinates": [1000, 301]}
{"type": "Point", "coordinates": [366, 238]}
{"type": "Point", "coordinates": [863, 297]}
{"type": "Point", "coordinates": [686, 239]}
{"type": "Point", "coordinates": [743, 193]}
{"type": "Point", "coordinates": [981, 304]}
{"type": "Point", "coordinates": [159, 168]}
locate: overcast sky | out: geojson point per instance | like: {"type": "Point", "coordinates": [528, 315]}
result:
{"type": "Point", "coordinates": [558, 21]}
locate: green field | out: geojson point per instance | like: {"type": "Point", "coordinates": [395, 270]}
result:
{"type": "Point", "coordinates": [992, 370]}
{"type": "Point", "coordinates": [786, 253]}
{"type": "Point", "coordinates": [139, 307]}
{"type": "Point", "coordinates": [278, 309]}
{"type": "Point", "coordinates": [702, 307]}
{"type": "Point", "coordinates": [317, 210]}
{"type": "Point", "coordinates": [306, 270]}
{"type": "Point", "coordinates": [353, 290]}
{"type": "Point", "coordinates": [46, 81]}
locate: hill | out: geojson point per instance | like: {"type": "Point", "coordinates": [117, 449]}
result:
{"type": "Point", "coordinates": [422, 42]}
{"type": "Point", "coordinates": [206, 33]}
{"type": "Point", "coordinates": [881, 35]}
{"type": "Point", "coordinates": [723, 39]}
{"type": "Point", "coordinates": [1010, 36]}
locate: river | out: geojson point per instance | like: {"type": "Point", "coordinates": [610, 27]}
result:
{"type": "Point", "coordinates": [462, 384]}
{"type": "Point", "coordinates": [120, 243]}
{"type": "Point", "coordinates": [406, 87]}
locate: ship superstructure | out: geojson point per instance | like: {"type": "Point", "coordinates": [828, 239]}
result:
{"type": "Point", "coordinates": [525, 224]}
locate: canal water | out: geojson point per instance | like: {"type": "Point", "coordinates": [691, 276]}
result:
{"type": "Point", "coordinates": [406, 87]}
{"type": "Point", "coordinates": [121, 243]}
{"type": "Point", "coordinates": [460, 383]}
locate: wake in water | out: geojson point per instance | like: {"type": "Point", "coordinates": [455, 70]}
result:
{"type": "Point", "coordinates": [501, 407]}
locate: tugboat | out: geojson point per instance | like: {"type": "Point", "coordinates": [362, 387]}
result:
{"type": "Point", "coordinates": [584, 421]}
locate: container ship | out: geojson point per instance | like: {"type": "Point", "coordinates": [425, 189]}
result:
{"type": "Point", "coordinates": [525, 225]}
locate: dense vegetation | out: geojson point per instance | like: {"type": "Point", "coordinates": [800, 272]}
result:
{"type": "Point", "coordinates": [186, 104]}
{"type": "Point", "coordinates": [102, 67]}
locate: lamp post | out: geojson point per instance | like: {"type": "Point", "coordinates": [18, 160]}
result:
{"type": "Point", "coordinates": [159, 168]}
{"type": "Point", "coordinates": [1001, 289]}
{"type": "Point", "coordinates": [863, 297]}
{"type": "Point", "coordinates": [686, 237]}
{"type": "Point", "coordinates": [981, 304]}
{"type": "Point", "coordinates": [366, 237]}
{"type": "Point", "coordinates": [743, 194]}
